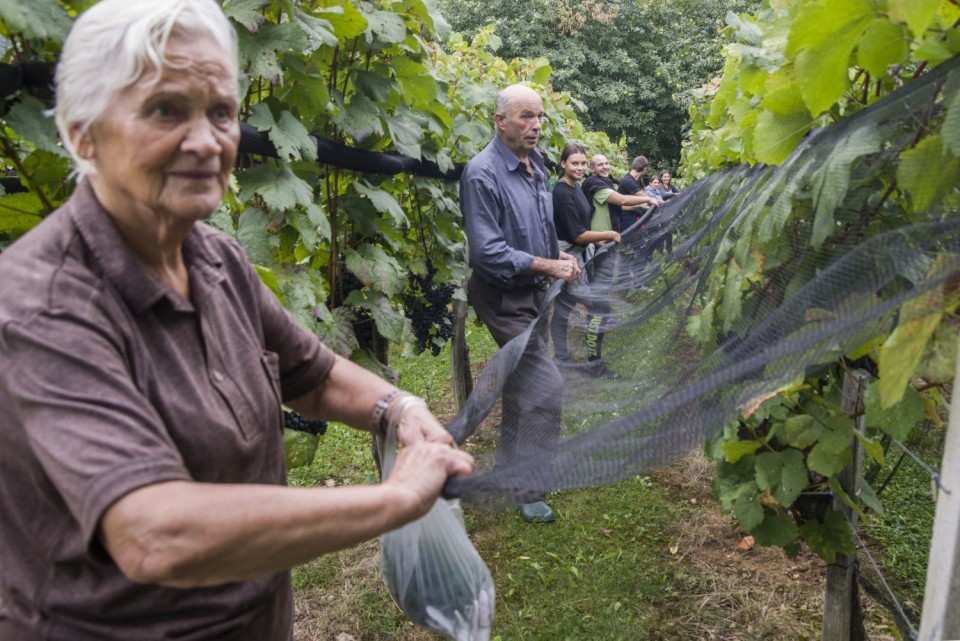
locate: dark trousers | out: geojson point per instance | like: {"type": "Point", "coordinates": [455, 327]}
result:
{"type": "Point", "coordinates": [533, 395]}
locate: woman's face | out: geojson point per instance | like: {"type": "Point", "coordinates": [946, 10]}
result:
{"type": "Point", "coordinates": [654, 182]}
{"type": "Point", "coordinates": [575, 166]}
{"type": "Point", "coordinates": [167, 148]}
{"type": "Point", "coordinates": [665, 177]}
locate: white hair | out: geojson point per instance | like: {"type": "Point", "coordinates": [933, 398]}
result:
{"type": "Point", "coordinates": [509, 95]}
{"type": "Point", "coordinates": [110, 47]}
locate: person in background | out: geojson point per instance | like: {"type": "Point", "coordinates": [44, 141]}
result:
{"type": "Point", "coordinates": [144, 368]}
{"type": "Point", "coordinates": [514, 252]}
{"type": "Point", "coordinates": [571, 214]}
{"type": "Point", "coordinates": [632, 185]}
{"type": "Point", "coordinates": [653, 190]}
{"type": "Point", "coordinates": [611, 209]}
{"type": "Point", "coordinates": [667, 188]}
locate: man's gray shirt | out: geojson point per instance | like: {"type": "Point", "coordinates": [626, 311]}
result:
{"type": "Point", "coordinates": [508, 215]}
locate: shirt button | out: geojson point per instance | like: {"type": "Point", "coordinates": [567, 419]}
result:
{"type": "Point", "coordinates": [217, 375]}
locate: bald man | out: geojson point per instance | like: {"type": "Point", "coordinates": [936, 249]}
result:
{"type": "Point", "coordinates": [611, 209]}
{"type": "Point", "coordinates": [514, 253]}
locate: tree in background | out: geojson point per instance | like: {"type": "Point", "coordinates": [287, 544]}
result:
{"type": "Point", "coordinates": [629, 64]}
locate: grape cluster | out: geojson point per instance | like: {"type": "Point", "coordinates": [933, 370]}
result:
{"type": "Point", "coordinates": [427, 304]}
{"type": "Point", "coordinates": [363, 324]}
{"type": "Point", "coordinates": [293, 421]}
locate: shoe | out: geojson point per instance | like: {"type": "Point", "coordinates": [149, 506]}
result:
{"type": "Point", "coordinates": [598, 369]}
{"type": "Point", "coordinates": [537, 512]}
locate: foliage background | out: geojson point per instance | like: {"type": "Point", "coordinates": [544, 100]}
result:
{"type": "Point", "coordinates": [336, 246]}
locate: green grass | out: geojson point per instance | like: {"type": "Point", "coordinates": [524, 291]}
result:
{"type": "Point", "coordinates": [903, 532]}
{"type": "Point", "coordinates": [608, 568]}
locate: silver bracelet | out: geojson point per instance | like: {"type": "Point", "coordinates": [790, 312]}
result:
{"type": "Point", "coordinates": [392, 418]}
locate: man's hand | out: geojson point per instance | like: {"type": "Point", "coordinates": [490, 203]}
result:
{"type": "Point", "coordinates": [568, 269]}
{"type": "Point", "coordinates": [564, 268]}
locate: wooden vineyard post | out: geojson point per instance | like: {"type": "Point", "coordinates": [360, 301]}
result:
{"type": "Point", "coordinates": [459, 352]}
{"type": "Point", "coordinates": [840, 595]}
{"type": "Point", "coordinates": [941, 599]}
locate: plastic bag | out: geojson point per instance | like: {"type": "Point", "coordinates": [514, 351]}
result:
{"type": "Point", "coordinates": [433, 571]}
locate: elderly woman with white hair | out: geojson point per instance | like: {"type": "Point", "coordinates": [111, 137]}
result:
{"type": "Point", "coordinates": [143, 366]}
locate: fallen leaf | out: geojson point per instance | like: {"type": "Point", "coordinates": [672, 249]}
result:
{"type": "Point", "coordinates": [745, 543]}
{"type": "Point", "coordinates": [343, 636]}
{"type": "Point", "coordinates": [674, 549]}
{"type": "Point", "coordinates": [330, 483]}
{"type": "Point", "coordinates": [606, 531]}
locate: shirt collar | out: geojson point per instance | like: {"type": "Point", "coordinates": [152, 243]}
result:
{"type": "Point", "coordinates": [511, 160]}
{"type": "Point", "coordinates": [140, 288]}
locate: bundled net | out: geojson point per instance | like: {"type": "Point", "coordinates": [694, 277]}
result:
{"type": "Point", "coordinates": [753, 277]}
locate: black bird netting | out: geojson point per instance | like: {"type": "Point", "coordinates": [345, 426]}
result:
{"type": "Point", "coordinates": [751, 278]}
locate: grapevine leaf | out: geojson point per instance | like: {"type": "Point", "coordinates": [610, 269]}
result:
{"type": "Point", "coordinates": [897, 420]}
{"type": "Point", "coordinates": [917, 14]}
{"type": "Point", "coordinates": [385, 26]}
{"type": "Point", "coordinates": [833, 536]}
{"type": "Point", "coordinates": [289, 136]}
{"type": "Point", "coordinates": [269, 278]}
{"type": "Point", "coordinates": [776, 135]}
{"type": "Point", "coordinates": [390, 321]}
{"type": "Point", "coordinates": [733, 480]}
{"type": "Point", "coordinates": [375, 86]}
{"type": "Point", "coordinates": [281, 190]}
{"type": "Point", "coordinates": [303, 290]}
{"type": "Point", "coordinates": [246, 12]}
{"type": "Point", "coordinates": [841, 495]}
{"type": "Point", "coordinates": [367, 360]}
{"type": "Point", "coordinates": [870, 498]}
{"type": "Point", "coordinates": [822, 38]}
{"type": "Point", "coordinates": [837, 433]}
{"type": "Point", "coordinates": [951, 123]}
{"type": "Point", "coordinates": [822, 461]}
{"type": "Point", "coordinates": [735, 450]}
{"type": "Point", "coordinates": [883, 44]}
{"type": "Point", "coordinates": [259, 245]}
{"type": "Point", "coordinates": [901, 352]}
{"type": "Point", "coordinates": [405, 132]}
{"type": "Point", "coordinates": [749, 513]}
{"type": "Point", "coordinates": [292, 139]}
{"type": "Point", "coordinates": [801, 431]}
{"type": "Point", "coordinates": [383, 201]}
{"type": "Point", "coordinates": [873, 449]}
{"type": "Point", "coordinates": [927, 173]}
{"type": "Point", "coordinates": [318, 30]}
{"type": "Point", "coordinates": [347, 21]}
{"type": "Point", "coordinates": [258, 53]}
{"type": "Point", "coordinates": [337, 333]}
{"type": "Point", "coordinates": [14, 223]}
{"type": "Point", "coordinates": [361, 118]}
{"type": "Point", "coordinates": [299, 448]}
{"type": "Point", "coordinates": [419, 85]}
{"type": "Point", "coordinates": [319, 220]}
{"type": "Point", "coordinates": [783, 473]}
{"type": "Point", "coordinates": [36, 19]}
{"type": "Point", "coordinates": [776, 529]}
{"type": "Point", "coordinates": [732, 295]}
{"type": "Point", "coordinates": [28, 119]}
{"type": "Point", "coordinates": [832, 179]}
{"type": "Point", "coordinates": [374, 268]}
{"type": "Point", "coordinates": [938, 363]}
{"type": "Point", "coordinates": [934, 49]}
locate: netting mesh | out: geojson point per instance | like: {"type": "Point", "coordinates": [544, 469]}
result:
{"type": "Point", "coordinates": [753, 277]}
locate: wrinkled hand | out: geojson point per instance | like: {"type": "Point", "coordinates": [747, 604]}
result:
{"type": "Point", "coordinates": [566, 267]}
{"type": "Point", "coordinates": [418, 424]}
{"type": "Point", "coordinates": [422, 468]}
